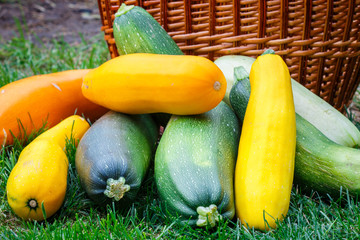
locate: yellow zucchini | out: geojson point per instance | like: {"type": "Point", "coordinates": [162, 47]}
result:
{"type": "Point", "coordinates": [265, 165]}
{"type": "Point", "coordinates": [150, 83]}
{"type": "Point", "coordinates": [39, 178]}
{"type": "Point", "coordinates": [37, 183]}
{"type": "Point", "coordinates": [71, 127]}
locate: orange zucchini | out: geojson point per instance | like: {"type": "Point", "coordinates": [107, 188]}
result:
{"type": "Point", "coordinates": [43, 98]}
{"type": "Point", "coordinates": [149, 83]}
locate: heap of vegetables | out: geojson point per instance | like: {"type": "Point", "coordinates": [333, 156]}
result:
{"type": "Point", "coordinates": [233, 143]}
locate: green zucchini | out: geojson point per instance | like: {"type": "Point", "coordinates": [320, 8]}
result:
{"type": "Point", "coordinates": [242, 88]}
{"type": "Point", "coordinates": [227, 64]}
{"type": "Point", "coordinates": [325, 117]}
{"type": "Point", "coordinates": [114, 155]}
{"type": "Point", "coordinates": [320, 164]}
{"type": "Point", "coordinates": [314, 109]}
{"type": "Point", "coordinates": [323, 165]}
{"type": "Point", "coordinates": [195, 163]}
{"type": "Point", "coordinates": [136, 31]}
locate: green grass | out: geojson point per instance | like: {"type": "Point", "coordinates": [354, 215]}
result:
{"type": "Point", "coordinates": [310, 216]}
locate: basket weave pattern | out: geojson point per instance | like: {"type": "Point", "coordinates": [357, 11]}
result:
{"type": "Point", "coordinates": [319, 40]}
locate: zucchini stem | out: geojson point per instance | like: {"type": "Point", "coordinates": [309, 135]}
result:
{"type": "Point", "coordinates": [208, 215]}
{"type": "Point", "coordinates": [240, 74]}
{"type": "Point", "coordinates": [116, 188]}
{"type": "Point", "coordinates": [123, 9]}
{"type": "Point", "coordinates": [268, 51]}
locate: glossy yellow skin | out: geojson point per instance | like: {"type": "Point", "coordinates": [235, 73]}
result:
{"type": "Point", "coordinates": [149, 83]}
{"type": "Point", "coordinates": [40, 174]}
{"type": "Point", "coordinates": [73, 126]}
{"type": "Point", "coordinates": [265, 165]}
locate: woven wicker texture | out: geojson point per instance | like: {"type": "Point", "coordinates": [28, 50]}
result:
{"type": "Point", "coordinates": [319, 40]}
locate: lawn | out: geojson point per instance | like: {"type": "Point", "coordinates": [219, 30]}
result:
{"type": "Point", "coordinates": [310, 216]}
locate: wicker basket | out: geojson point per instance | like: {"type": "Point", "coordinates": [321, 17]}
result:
{"type": "Point", "coordinates": [319, 40]}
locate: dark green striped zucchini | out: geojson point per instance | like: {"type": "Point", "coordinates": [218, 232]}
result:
{"type": "Point", "coordinates": [114, 155]}
{"type": "Point", "coordinates": [194, 165]}
{"type": "Point", "coordinates": [240, 92]}
{"type": "Point", "coordinates": [136, 31]}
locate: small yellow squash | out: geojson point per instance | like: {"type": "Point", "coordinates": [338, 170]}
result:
{"type": "Point", "coordinates": [71, 127]}
{"type": "Point", "coordinates": [149, 83]}
{"type": "Point", "coordinates": [265, 165]}
{"type": "Point", "coordinates": [38, 180]}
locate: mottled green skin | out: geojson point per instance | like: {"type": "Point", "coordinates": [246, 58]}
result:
{"type": "Point", "coordinates": [136, 31]}
{"type": "Point", "coordinates": [323, 165]}
{"type": "Point", "coordinates": [239, 97]}
{"type": "Point", "coordinates": [116, 145]}
{"type": "Point", "coordinates": [195, 161]}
